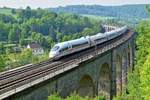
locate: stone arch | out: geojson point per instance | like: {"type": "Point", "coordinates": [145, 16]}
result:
{"type": "Point", "coordinates": [104, 81]}
{"type": "Point", "coordinates": [86, 86]}
{"type": "Point", "coordinates": [118, 75]}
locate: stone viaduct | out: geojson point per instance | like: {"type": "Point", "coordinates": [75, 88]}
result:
{"type": "Point", "coordinates": [104, 75]}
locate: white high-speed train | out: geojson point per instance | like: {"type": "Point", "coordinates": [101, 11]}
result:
{"type": "Point", "coordinates": [65, 48]}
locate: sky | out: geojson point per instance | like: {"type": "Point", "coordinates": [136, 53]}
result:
{"type": "Point", "coordinates": [56, 3]}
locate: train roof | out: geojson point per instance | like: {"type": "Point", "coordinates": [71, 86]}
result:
{"type": "Point", "coordinates": [72, 42]}
{"type": "Point", "coordinates": [114, 31]}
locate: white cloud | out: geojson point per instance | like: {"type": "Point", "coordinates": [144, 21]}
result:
{"type": "Point", "coordinates": [56, 3]}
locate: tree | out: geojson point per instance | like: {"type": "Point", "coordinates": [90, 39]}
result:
{"type": "Point", "coordinates": [26, 56]}
{"type": "Point", "coordinates": [1, 48]}
{"type": "Point", "coordinates": [145, 78]}
{"type": "Point", "coordinates": [2, 61]}
{"type": "Point", "coordinates": [11, 36]}
{"type": "Point", "coordinates": [13, 11]}
{"type": "Point", "coordinates": [65, 38]}
{"type": "Point", "coordinates": [4, 30]}
{"type": "Point", "coordinates": [87, 31]}
{"type": "Point", "coordinates": [147, 7]}
{"type": "Point", "coordinates": [50, 42]}
{"type": "Point", "coordinates": [14, 34]}
{"type": "Point", "coordinates": [59, 36]}
{"type": "Point", "coordinates": [22, 38]}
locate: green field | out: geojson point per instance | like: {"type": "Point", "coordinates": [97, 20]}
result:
{"type": "Point", "coordinates": [5, 11]}
{"type": "Point", "coordinates": [97, 17]}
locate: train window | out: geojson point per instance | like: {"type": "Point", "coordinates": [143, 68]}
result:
{"type": "Point", "coordinates": [100, 39]}
{"type": "Point", "coordinates": [55, 48]}
{"type": "Point", "coordinates": [78, 45]}
{"type": "Point", "coordinates": [64, 49]}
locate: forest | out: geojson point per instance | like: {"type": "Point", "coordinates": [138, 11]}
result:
{"type": "Point", "coordinates": [19, 27]}
{"type": "Point", "coordinates": [25, 25]}
{"type": "Point", "coordinates": [127, 14]}
{"type": "Point", "coordinates": [123, 11]}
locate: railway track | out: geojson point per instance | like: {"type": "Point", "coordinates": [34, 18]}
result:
{"type": "Point", "coordinates": [36, 73]}
{"type": "Point", "coordinates": [13, 79]}
{"type": "Point", "coordinates": [5, 75]}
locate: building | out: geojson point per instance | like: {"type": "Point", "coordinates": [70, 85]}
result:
{"type": "Point", "coordinates": [36, 48]}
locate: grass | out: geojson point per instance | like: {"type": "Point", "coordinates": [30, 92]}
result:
{"type": "Point", "coordinates": [105, 17]}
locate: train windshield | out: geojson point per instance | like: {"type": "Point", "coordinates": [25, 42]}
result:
{"type": "Point", "coordinates": [55, 48]}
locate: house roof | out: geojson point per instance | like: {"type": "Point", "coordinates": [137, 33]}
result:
{"type": "Point", "coordinates": [34, 45]}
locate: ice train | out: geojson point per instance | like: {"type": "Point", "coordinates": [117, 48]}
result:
{"type": "Point", "coordinates": [68, 47]}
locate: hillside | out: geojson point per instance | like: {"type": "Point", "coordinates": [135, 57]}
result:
{"type": "Point", "coordinates": [125, 11]}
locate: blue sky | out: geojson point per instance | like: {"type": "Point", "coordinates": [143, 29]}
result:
{"type": "Point", "coordinates": [56, 3]}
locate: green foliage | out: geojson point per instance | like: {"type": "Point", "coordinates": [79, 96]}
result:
{"type": "Point", "coordinates": [87, 31]}
{"type": "Point", "coordinates": [74, 96]}
{"type": "Point", "coordinates": [43, 26]}
{"type": "Point", "coordinates": [1, 48]}
{"type": "Point", "coordinates": [54, 97]}
{"type": "Point", "coordinates": [139, 81]}
{"type": "Point", "coordinates": [26, 56]}
{"type": "Point", "coordinates": [4, 30]}
{"type": "Point", "coordinates": [14, 34]}
{"type": "Point", "coordinates": [145, 78]}
{"type": "Point", "coordinates": [23, 26]}
{"type": "Point", "coordinates": [125, 11]}
{"type": "Point", "coordinates": [13, 60]}
{"type": "Point", "coordinates": [99, 98]}
{"type": "Point", "coordinates": [40, 58]}
{"type": "Point", "coordinates": [147, 8]}
{"type": "Point", "coordinates": [2, 62]}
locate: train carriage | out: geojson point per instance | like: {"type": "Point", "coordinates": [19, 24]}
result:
{"type": "Point", "coordinates": [72, 46]}
{"type": "Point", "coordinates": [68, 47]}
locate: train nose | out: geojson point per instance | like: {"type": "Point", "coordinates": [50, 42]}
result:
{"type": "Point", "coordinates": [51, 56]}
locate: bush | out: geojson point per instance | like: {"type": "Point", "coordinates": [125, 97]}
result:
{"type": "Point", "coordinates": [74, 96]}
